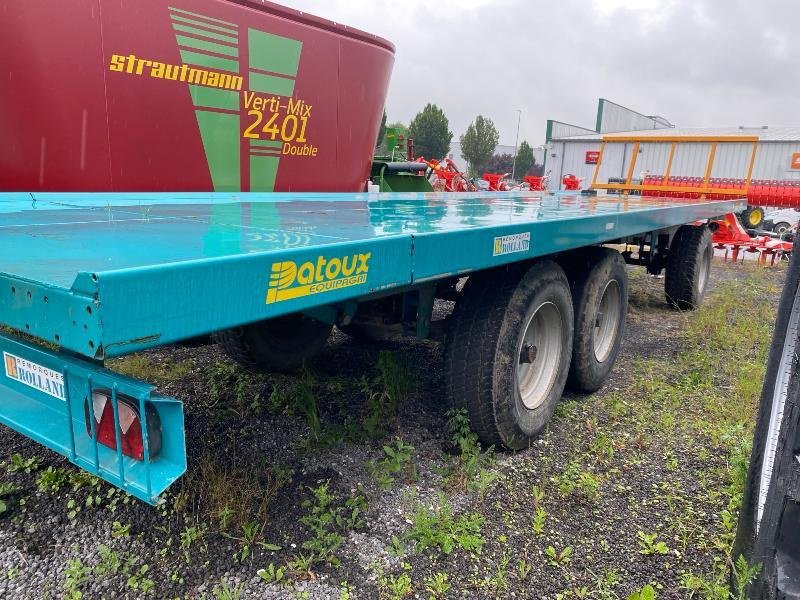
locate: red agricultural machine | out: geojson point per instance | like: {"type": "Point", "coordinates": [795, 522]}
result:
{"type": "Point", "coordinates": [571, 182]}
{"type": "Point", "coordinates": [497, 182]}
{"type": "Point", "coordinates": [537, 183]}
{"type": "Point", "coordinates": [446, 176]}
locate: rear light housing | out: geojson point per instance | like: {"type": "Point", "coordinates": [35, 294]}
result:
{"type": "Point", "coordinates": [130, 423]}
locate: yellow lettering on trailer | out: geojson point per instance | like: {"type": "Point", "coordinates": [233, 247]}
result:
{"type": "Point", "coordinates": [288, 280]}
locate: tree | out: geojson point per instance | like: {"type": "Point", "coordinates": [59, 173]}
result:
{"type": "Point", "coordinates": [431, 133]}
{"type": "Point", "coordinates": [500, 163]}
{"type": "Point", "coordinates": [479, 142]}
{"type": "Point", "coordinates": [379, 143]}
{"type": "Point", "coordinates": [525, 160]}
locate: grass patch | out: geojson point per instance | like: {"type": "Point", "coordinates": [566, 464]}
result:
{"type": "Point", "coordinates": [232, 496]}
{"type": "Point", "coordinates": [142, 366]}
{"type": "Point", "coordinates": [705, 396]}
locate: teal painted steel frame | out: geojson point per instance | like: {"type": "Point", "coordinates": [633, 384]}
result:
{"type": "Point", "coordinates": [59, 421]}
{"type": "Point", "coordinates": [183, 265]}
{"type": "Point", "coordinates": [166, 297]}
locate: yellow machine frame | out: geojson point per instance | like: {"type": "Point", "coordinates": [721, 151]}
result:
{"type": "Point", "coordinates": [703, 189]}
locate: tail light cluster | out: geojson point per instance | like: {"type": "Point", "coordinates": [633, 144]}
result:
{"type": "Point", "coordinates": [130, 424]}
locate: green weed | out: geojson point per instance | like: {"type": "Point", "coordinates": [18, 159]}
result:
{"type": "Point", "coordinates": [328, 519]}
{"type": "Point", "coordinates": [439, 528]}
{"type": "Point", "coordinates": [398, 459]}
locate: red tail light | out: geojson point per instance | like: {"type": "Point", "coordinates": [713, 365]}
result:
{"type": "Point", "coordinates": [130, 424]}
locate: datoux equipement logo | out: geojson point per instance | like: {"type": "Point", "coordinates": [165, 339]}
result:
{"type": "Point", "coordinates": [288, 280]}
{"type": "Point", "coordinates": [241, 81]}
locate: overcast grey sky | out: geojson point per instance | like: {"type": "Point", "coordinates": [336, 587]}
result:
{"type": "Point", "coordinates": [695, 62]}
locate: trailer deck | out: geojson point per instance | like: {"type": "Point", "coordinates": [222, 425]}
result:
{"type": "Point", "coordinates": [104, 275]}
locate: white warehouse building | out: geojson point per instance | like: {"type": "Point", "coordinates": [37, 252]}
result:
{"type": "Point", "coordinates": [573, 150]}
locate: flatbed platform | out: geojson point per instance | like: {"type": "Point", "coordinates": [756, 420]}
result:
{"type": "Point", "coordinates": [108, 274]}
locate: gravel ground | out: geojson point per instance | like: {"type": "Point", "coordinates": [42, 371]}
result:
{"type": "Point", "coordinates": [254, 461]}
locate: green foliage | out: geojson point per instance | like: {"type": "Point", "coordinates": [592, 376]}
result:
{"type": "Point", "coordinates": [328, 519]}
{"type": "Point", "coordinates": [525, 160]}
{"type": "Point", "coordinates": [249, 538]}
{"type": "Point", "coordinates": [23, 465]}
{"type": "Point", "coordinates": [471, 470]}
{"type": "Point", "coordinates": [191, 535]}
{"type": "Point", "coordinates": [539, 516]}
{"type": "Point", "coordinates": [272, 574]}
{"type": "Point", "coordinates": [743, 575]}
{"type": "Point", "coordinates": [479, 142]}
{"type": "Point", "coordinates": [574, 480]}
{"type": "Point", "coordinates": [439, 528]}
{"type": "Point", "coordinates": [233, 390]}
{"type": "Point", "coordinates": [499, 163]}
{"type": "Point", "coordinates": [52, 479]}
{"type": "Point", "coordinates": [392, 386]}
{"type": "Point", "coordinates": [648, 544]}
{"type": "Point", "coordinates": [142, 366]}
{"type": "Point", "coordinates": [431, 133]}
{"type": "Point", "coordinates": [119, 530]}
{"type": "Point", "coordinates": [110, 562]}
{"type": "Point", "coordinates": [396, 587]}
{"type": "Point", "coordinates": [6, 489]}
{"type": "Point", "coordinates": [231, 495]}
{"type": "Point", "coordinates": [76, 576]}
{"type": "Point", "coordinates": [223, 591]}
{"type": "Point", "coordinates": [646, 593]}
{"type": "Point", "coordinates": [556, 558]}
{"type": "Point", "coordinates": [437, 585]}
{"type": "Point", "coordinates": [397, 460]}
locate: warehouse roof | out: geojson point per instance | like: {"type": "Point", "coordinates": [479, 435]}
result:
{"type": "Point", "coordinates": [765, 134]}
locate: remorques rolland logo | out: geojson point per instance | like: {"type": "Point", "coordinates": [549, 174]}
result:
{"type": "Point", "coordinates": [34, 375]}
{"type": "Point", "coordinates": [241, 81]}
{"type": "Point", "coordinates": [289, 280]}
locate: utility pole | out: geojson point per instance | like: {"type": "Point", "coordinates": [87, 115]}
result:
{"type": "Point", "coordinates": [516, 141]}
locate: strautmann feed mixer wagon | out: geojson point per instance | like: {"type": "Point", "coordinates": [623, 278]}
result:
{"type": "Point", "coordinates": [172, 170]}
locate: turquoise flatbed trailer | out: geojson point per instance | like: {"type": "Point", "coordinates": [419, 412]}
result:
{"type": "Point", "coordinates": [89, 276]}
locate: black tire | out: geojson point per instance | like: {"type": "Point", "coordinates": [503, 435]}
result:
{"type": "Point", "coordinates": [598, 277]}
{"type": "Point", "coordinates": [688, 267]}
{"type": "Point", "coordinates": [484, 350]}
{"type": "Point", "coordinates": [752, 217]}
{"type": "Point", "coordinates": [782, 227]}
{"type": "Point", "coordinates": [768, 520]}
{"type": "Point", "coordinates": [279, 345]}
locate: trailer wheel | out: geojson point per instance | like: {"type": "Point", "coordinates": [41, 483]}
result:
{"type": "Point", "coordinates": [280, 344]}
{"type": "Point", "coordinates": [688, 267]}
{"type": "Point", "coordinates": [600, 298]}
{"type": "Point", "coordinates": [752, 217]}
{"type": "Point", "coordinates": [508, 349]}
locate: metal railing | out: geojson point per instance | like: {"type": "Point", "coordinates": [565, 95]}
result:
{"type": "Point", "coordinates": [675, 141]}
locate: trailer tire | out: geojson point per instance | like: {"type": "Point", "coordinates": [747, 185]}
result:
{"type": "Point", "coordinates": [600, 299]}
{"type": "Point", "coordinates": [497, 328]}
{"type": "Point", "coordinates": [281, 344]}
{"type": "Point", "coordinates": [688, 267]}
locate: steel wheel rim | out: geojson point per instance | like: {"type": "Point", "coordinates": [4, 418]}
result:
{"type": "Point", "coordinates": [705, 268]}
{"type": "Point", "coordinates": [607, 321]}
{"type": "Point", "coordinates": [539, 355]}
